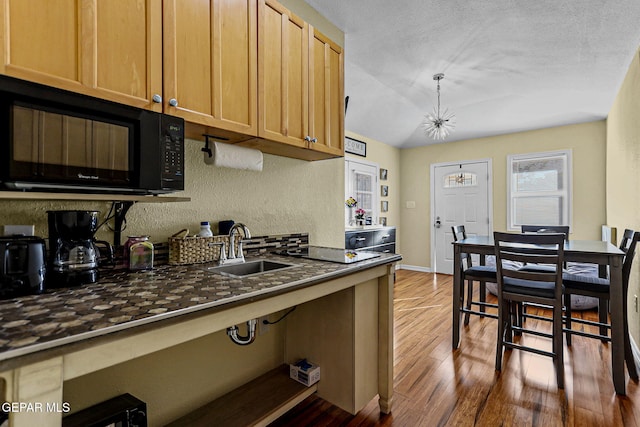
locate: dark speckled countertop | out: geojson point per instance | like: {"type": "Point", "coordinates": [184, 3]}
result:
{"type": "Point", "coordinates": [123, 300]}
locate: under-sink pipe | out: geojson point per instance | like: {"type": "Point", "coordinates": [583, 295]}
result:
{"type": "Point", "coordinates": [243, 340]}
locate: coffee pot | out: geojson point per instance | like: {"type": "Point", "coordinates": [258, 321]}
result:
{"type": "Point", "coordinates": [74, 254]}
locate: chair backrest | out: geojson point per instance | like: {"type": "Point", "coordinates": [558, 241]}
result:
{"type": "Point", "coordinates": [564, 229]}
{"type": "Point", "coordinates": [628, 246]}
{"type": "Point", "coordinates": [539, 248]}
{"type": "Point", "coordinates": [459, 233]}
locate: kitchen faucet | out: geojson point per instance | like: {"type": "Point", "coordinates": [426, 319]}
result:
{"type": "Point", "coordinates": [232, 258]}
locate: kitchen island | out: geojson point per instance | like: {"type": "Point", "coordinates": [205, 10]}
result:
{"type": "Point", "coordinates": [343, 322]}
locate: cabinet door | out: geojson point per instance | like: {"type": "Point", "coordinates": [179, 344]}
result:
{"type": "Point", "coordinates": [210, 63]}
{"type": "Point", "coordinates": [108, 49]}
{"type": "Point", "coordinates": [283, 74]}
{"type": "Point", "coordinates": [326, 95]}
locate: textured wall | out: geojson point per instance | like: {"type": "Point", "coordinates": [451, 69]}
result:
{"type": "Point", "coordinates": [586, 140]}
{"type": "Point", "coordinates": [623, 169]}
{"type": "Point", "coordinates": [287, 196]}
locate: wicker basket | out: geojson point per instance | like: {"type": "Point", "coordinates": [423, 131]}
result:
{"type": "Point", "coordinates": [194, 250]}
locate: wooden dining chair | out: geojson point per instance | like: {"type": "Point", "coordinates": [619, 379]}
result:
{"type": "Point", "coordinates": [471, 274]}
{"type": "Point", "coordinates": [527, 229]}
{"type": "Point", "coordinates": [600, 288]}
{"type": "Point", "coordinates": [522, 286]}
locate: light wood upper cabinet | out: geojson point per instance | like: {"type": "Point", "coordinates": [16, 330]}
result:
{"type": "Point", "coordinates": [107, 49]}
{"type": "Point", "coordinates": [326, 94]}
{"type": "Point", "coordinates": [283, 75]}
{"type": "Point", "coordinates": [300, 86]}
{"type": "Point", "coordinates": [247, 70]}
{"type": "Point", "coordinates": [210, 63]}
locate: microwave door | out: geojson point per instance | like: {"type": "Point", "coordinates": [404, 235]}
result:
{"type": "Point", "coordinates": [66, 149]}
{"type": "Point", "coordinates": [25, 152]}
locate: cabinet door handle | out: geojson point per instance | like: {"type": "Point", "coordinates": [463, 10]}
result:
{"type": "Point", "coordinates": [361, 239]}
{"type": "Point", "coordinates": [386, 236]}
{"type": "Point", "coordinates": [314, 140]}
{"type": "Point", "coordinates": [156, 98]}
{"type": "Point", "coordinates": [173, 102]}
{"type": "Point", "coordinates": [307, 138]}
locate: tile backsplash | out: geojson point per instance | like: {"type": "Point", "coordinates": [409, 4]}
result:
{"type": "Point", "coordinates": [257, 246]}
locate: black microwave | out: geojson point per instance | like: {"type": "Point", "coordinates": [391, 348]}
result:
{"type": "Point", "coordinates": [56, 140]}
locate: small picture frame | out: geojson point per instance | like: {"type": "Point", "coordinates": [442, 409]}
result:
{"type": "Point", "coordinates": [383, 174]}
{"type": "Point", "coordinates": [353, 146]}
{"type": "Point", "coordinates": [384, 190]}
{"type": "Point", "coordinates": [383, 221]}
{"type": "Point", "coordinates": [384, 206]}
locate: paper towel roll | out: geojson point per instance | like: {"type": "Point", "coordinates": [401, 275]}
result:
{"type": "Point", "coordinates": [234, 156]}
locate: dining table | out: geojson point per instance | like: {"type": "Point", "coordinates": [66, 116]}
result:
{"type": "Point", "coordinates": [585, 251]}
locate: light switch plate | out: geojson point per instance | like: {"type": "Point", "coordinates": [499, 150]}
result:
{"type": "Point", "coordinates": [26, 230]}
{"type": "Point", "coordinates": [411, 204]}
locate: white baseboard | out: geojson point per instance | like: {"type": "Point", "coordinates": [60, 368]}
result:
{"type": "Point", "coordinates": [414, 268]}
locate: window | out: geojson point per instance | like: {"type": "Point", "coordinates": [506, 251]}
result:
{"type": "Point", "coordinates": [464, 179]}
{"type": "Point", "coordinates": [539, 189]}
{"type": "Point", "coordinates": [361, 179]}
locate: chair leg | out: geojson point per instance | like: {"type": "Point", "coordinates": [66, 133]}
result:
{"type": "Point", "coordinates": [567, 305]}
{"type": "Point", "coordinates": [628, 353]}
{"type": "Point", "coordinates": [500, 340]}
{"type": "Point", "coordinates": [557, 344]}
{"type": "Point", "coordinates": [483, 296]}
{"type": "Point", "coordinates": [469, 299]}
{"type": "Point", "coordinates": [603, 313]}
{"type": "Point", "coordinates": [519, 317]}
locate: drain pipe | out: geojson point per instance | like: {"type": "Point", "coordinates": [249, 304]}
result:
{"type": "Point", "coordinates": [239, 339]}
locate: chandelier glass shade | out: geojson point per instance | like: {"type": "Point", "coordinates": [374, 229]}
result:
{"type": "Point", "coordinates": [439, 124]}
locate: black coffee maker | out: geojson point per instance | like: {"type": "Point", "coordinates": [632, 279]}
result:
{"type": "Point", "coordinates": [74, 256]}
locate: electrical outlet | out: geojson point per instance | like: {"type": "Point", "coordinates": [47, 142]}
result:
{"type": "Point", "coordinates": [26, 230]}
{"type": "Point", "coordinates": [263, 328]}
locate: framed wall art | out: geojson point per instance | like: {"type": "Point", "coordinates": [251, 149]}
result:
{"type": "Point", "coordinates": [383, 174]}
{"type": "Point", "coordinates": [384, 206]}
{"type": "Point", "coordinates": [353, 146]}
{"type": "Point", "coordinates": [384, 190]}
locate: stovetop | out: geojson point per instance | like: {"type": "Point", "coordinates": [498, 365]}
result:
{"type": "Point", "coordinates": [342, 256]}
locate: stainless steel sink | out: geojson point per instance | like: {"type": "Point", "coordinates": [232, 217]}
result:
{"type": "Point", "coordinates": [249, 268]}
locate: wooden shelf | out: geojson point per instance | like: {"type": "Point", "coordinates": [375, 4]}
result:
{"type": "Point", "coordinates": [107, 197]}
{"type": "Point", "coordinates": [256, 403]}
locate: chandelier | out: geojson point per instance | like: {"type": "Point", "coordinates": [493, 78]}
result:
{"type": "Point", "coordinates": [438, 125]}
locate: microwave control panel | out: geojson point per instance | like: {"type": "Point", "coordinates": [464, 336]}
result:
{"type": "Point", "coordinates": [172, 153]}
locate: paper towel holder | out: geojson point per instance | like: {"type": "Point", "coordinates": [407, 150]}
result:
{"type": "Point", "coordinates": [206, 148]}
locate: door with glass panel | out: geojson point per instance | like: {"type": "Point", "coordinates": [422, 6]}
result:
{"type": "Point", "coordinates": [461, 196]}
{"type": "Point", "coordinates": [361, 180]}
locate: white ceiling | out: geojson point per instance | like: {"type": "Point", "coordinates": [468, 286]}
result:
{"type": "Point", "coordinates": [510, 65]}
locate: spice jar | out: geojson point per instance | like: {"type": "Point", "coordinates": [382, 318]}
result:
{"type": "Point", "coordinates": [138, 253]}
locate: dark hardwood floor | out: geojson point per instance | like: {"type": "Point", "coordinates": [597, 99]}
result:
{"type": "Point", "coordinates": [436, 386]}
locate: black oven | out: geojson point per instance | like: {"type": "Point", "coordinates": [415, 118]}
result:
{"type": "Point", "coordinates": [121, 411]}
{"type": "Point", "coordinates": [56, 140]}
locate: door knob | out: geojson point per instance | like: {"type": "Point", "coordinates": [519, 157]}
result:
{"type": "Point", "coordinates": [173, 102]}
{"type": "Point", "coordinates": [156, 98]}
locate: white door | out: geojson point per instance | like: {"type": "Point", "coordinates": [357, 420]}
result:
{"type": "Point", "coordinates": [461, 197]}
